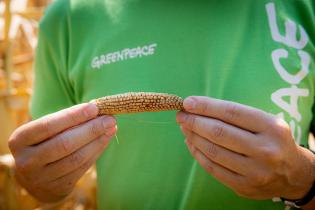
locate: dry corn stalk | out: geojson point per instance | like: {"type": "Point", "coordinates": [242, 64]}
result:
{"type": "Point", "coordinates": [135, 102]}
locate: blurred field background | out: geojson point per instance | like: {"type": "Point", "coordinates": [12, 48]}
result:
{"type": "Point", "coordinates": [18, 37]}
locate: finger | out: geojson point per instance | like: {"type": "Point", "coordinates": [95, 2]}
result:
{"type": "Point", "coordinates": [225, 176]}
{"type": "Point", "coordinates": [242, 116]}
{"type": "Point", "coordinates": [220, 133]}
{"type": "Point", "coordinates": [226, 158]}
{"type": "Point", "coordinates": [77, 159]}
{"type": "Point", "coordinates": [50, 125]}
{"type": "Point", "coordinates": [71, 140]}
{"type": "Point", "coordinates": [185, 131]}
{"type": "Point", "coordinates": [64, 185]}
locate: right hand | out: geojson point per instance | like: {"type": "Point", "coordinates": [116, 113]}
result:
{"type": "Point", "coordinates": [53, 152]}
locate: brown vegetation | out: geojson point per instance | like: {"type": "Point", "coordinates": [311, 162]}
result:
{"type": "Point", "coordinates": [18, 29]}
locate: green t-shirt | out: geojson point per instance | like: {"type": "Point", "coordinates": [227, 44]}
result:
{"type": "Point", "coordinates": [259, 53]}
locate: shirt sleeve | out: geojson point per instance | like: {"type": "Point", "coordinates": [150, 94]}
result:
{"type": "Point", "coordinates": [52, 89]}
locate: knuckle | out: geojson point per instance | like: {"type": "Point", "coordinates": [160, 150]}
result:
{"type": "Point", "coordinates": [86, 165]}
{"type": "Point", "coordinates": [73, 116]}
{"type": "Point", "coordinates": [209, 167]}
{"type": "Point", "coordinates": [76, 158]}
{"type": "Point", "coordinates": [231, 112]}
{"type": "Point", "coordinates": [259, 179]}
{"type": "Point", "coordinates": [64, 143]}
{"type": "Point", "coordinates": [280, 127]}
{"type": "Point", "coordinates": [194, 151]}
{"type": "Point", "coordinates": [276, 158]}
{"type": "Point", "coordinates": [191, 121]}
{"type": "Point", "coordinates": [45, 125]}
{"type": "Point", "coordinates": [95, 129]}
{"type": "Point", "coordinates": [218, 131]}
{"type": "Point", "coordinates": [212, 151]}
{"type": "Point", "coordinates": [189, 134]}
{"type": "Point", "coordinates": [204, 107]}
{"type": "Point", "coordinates": [272, 154]}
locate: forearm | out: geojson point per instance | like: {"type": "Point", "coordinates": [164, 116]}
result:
{"type": "Point", "coordinates": [309, 174]}
{"type": "Point", "coordinates": [311, 204]}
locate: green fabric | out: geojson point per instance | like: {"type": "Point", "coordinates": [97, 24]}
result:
{"type": "Point", "coordinates": [221, 49]}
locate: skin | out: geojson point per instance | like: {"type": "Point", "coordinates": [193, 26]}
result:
{"type": "Point", "coordinates": [246, 149]}
{"type": "Point", "coordinates": [250, 151]}
{"type": "Point", "coordinates": [53, 152]}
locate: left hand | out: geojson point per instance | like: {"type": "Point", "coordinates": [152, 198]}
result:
{"type": "Point", "coordinates": [248, 150]}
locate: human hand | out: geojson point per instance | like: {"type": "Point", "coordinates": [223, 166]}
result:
{"type": "Point", "coordinates": [53, 152]}
{"type": "Point", "coordinates": [247, 149]}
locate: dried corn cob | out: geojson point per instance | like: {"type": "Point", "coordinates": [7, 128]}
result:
{"type": "Point", "coordinates": [134, 102]}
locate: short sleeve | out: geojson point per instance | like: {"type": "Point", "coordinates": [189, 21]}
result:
{"type": "Point", "coordinates": [52, 90]}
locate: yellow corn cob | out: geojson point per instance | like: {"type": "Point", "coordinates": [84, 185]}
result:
{"type": "Point", "coordinates": [135, 102]}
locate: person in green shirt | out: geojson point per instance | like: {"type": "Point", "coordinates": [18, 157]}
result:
{"type": "Point", "coordinates": [245, 69]}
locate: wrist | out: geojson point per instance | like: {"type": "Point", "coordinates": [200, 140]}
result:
{"type": "Point", "coordinates": [305, 201]}
{"type": "Point", "coordinates": [303, 196]}
{"type": "Point", "coordinates": [308, 174]}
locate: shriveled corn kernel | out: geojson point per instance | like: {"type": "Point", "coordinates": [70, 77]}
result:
{"type": "Point", "coordinates": [135, 102]}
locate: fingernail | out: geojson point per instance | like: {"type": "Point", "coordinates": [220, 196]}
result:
{"type": "Point", "coordinates": [90, 111]}
{"type": "Point", "coordinates": [110, 131]}
{"type": "Point", "coordinates": [108, 122]}
{"type": "Point", "coordinates": [189, 104]}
